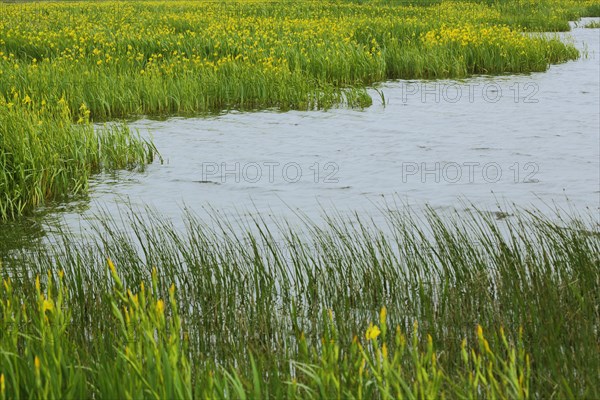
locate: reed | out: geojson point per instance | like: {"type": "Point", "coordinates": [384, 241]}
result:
{"type": "Point", "coordinates": [44, 155]}
{"type": "Point", "coordinates": [269, 308]}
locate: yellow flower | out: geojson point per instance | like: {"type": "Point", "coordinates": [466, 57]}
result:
{"type": "Point", "coordinates": [479, 332]}
{"type": "Point", "coordinates": [111, 266]}
{"type": "Point", "coordinates": [486, 345]}
{"type": "Point", "coordinates": [37, 364]}
{"type": "Point", "coordinates": [160, 306]}
{"type": "Point", "coordinates": [47, 306]}
{"type": "Point", "coordinates": [372, 332]}
{"type": "Point", "coordinates": [382, 315]}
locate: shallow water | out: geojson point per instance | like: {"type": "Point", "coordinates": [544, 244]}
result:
{"type": "Point", "coordinates": [532, 140]}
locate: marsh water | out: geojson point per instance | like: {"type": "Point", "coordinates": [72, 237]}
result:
{"type": "Point", "coordinates": [530, 140]}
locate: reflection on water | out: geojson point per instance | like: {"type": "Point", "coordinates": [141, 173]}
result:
{"type": "Point", "coordinates": [530, 139]}
{"type": "Point", "coordinates": [27, 233]}
{"type": "Point", "coordinates": [20, 235]}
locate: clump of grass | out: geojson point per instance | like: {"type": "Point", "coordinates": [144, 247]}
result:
{"type": "Point", "coordinates": [267, 309]}
{"type": "Point", "coordinates": [45, 155]}
{"type": "Point", "coordinates": [592, 25]}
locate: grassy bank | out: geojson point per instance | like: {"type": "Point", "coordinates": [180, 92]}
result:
{"type": "Point", "coordinates": [132, 58]}
{"type": "Point", "coordinates": [336, 309]}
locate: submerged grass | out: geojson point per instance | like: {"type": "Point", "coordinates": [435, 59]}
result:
{"type": "Point", "coordinates": [592, 25]}
{"type": "Point", "coordinates": [264, 309]}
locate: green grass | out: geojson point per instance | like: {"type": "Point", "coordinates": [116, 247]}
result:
{"type": "Point", "coordinates": [592, 25]}
{"type": "Point", "coordinates": [264, 308]}
{"type": "Point", "coordinates": [44, 155]}
{"type": "Point", "coordinates": [120, 60]}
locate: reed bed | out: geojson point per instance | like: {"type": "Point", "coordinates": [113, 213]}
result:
{"type": "Point", "coordinates": [422, 306]}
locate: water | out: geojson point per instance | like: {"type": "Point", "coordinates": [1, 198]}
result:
{"type": "Point", "coordinates": [532, 140]}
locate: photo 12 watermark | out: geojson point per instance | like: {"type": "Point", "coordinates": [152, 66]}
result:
{"type": "Point", "coordinates": [270, 172]}
{"type": "Point", "coordinates": [469, 172]}
{"type": "Point", "coordinates": [453, 92]}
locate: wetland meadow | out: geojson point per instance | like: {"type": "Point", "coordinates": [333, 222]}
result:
{"type": "Point", "coordinates": [337, 199]}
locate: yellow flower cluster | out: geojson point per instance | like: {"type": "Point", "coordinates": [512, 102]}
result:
{"type": "Point", "coordinates": [186, 36]}
{"type": "Point", "coordinates": [475, 35]}
{"type": "Point", "coordinates": [122, 58]}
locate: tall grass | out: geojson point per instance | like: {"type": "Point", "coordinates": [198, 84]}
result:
{"type": "Point", "coordinates": [267, 308]}
{"type": "Point", "coordinates": [134, 58]}
{"type": "Point", "coordinates": [44, 155]}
